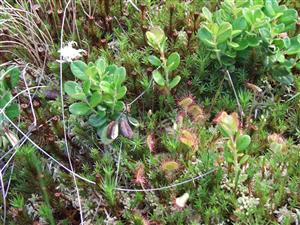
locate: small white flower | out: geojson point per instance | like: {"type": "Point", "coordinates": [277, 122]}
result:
{"type": "Point", "coordinates": [182, 200]}
{"type": "Point", "coordinates": [68, 53]}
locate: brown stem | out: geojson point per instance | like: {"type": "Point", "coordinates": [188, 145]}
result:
{"type": "Point", "coordinates": [91, 25]}
{"type": "Point", "coordinates": [143, 12]}
{"type": "Point", "coordinates": [189, 34]}
{"type": "Point", "coordinates": [196, 16]}
{"type": "Point", "coordinates": [172, 9]}
{"type": "Point", "coordinates": [108, 21]}
{"type": "Point", "coordinates": [106, 6]}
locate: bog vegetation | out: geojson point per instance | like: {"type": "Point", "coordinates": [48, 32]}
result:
{"type": "Point", "coordinates": [149, 112]}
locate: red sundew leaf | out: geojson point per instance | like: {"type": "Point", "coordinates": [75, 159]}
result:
{"type": "Point", "coordinates": [236, 120]}
{"type": "Point", "coordinates": [219, 117]}
{"type": "Point", "coordinates": [186, 102]}
{"type": "Point", "coordinates": [170, 166]}
{"type": "Point", "coordinates": [139, 175]}
{"type": "Point", "coordinates": [196, 112]}
{"type": "Point", "coordinates": [188, 138]}
{"type": "Point", "coordinates": [180, 118]}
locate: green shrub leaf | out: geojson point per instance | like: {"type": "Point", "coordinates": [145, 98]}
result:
{"type": "Point", "coordinates": [106, 87]}
{"type": "Point", "coordinates": [207, 14]}
{"type": "Point", "coordinates": [156, 37]}
{"type": "Point", "coordinates": [97, 120]}
{"type": "Point", "coordinates": [78, 69]}
{"type": "Point", "coordinates": [158, 78]}
{"type": "Point", "coordinates": [121, 92]}
{"type": "Point", "coordinates": [173, 61]}
{"type": "Point", "coordinates": [243, 142]}
{"type": "Point", "coordinates": [155, 61]}
{"type": "Point", "coordinates": [101, 65]}
{"type": "Point", "coordinates": [175, 81]}
{"type": "Point", "coordinates": [96, 98]}
{"type": "Point", "coordinates": [224, 32]}
{"type": "Point", "coordinates": [119, 76]}
{"type": "Point", "coordinates": [79, 109]}
{"type": "Point", "coordinates": [205, 35]}
{"type": "Point", "coordinates": [74, 90]}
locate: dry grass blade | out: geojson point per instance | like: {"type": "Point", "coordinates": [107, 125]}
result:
{"type": "Point", "coordinates": [22, 24]}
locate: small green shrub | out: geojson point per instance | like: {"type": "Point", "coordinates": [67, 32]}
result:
{"type": "Point", "coordinates": [98, 97]}
{"type": "Point", "coordinates": [158, 41]}
{"type": "Point", "coordinates": [242, 29]}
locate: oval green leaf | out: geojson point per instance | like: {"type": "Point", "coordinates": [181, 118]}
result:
{"type": "Point", "coordinates": [79, 109]}
{"type": "Point", "coordinates": [175, 81]}
{"type": "Point", "coordinates": [96, 98]}
{"type": "Point", "coordinates": [158, 78]}
{"type": "Point", "coordinates": [206, 36]}
{"type": "Point", "coordinates": [121, 92]}
{"type": "Point", "coordinates": [78, 69]}
{"type": "Point", "coordinates": [243, 142]}
{"type": "Point", "coordinates": [155, 61]}
{"type": "Point", "coordinates": [74, 90]}
{"type": "Point", "coordinates": [224, 32]}
{"type": "Point", "coordinates": [173, 61]}
{"type": "Point", "coordinates": [97, 120]}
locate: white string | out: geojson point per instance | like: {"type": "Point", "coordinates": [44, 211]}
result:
{"type": "Point", "coordinates": [235, 94]}
{"type": "Point", "coordinates": [23, 140]}
{"type": "Point", "coordinates": [92, 182]}
{"type": "Point", "coordinates": [3, 197]}
{"type": "Point", "coordinates": [9, 181]}
{"type": "Point", "coordinates": [63, 113]}
{"type": "Point", "coordinates": [169, 186]}
{"type": "Point", "coordinates": [14, 147]}
{"type": "Point", "coordinates": [7, 163]}
{"type": "Point", "coordinates": [134, 5]}
{"type": "Point", "coordinates": [26, 137]}
{"type": "Point", "coordinates": [140, 95]}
